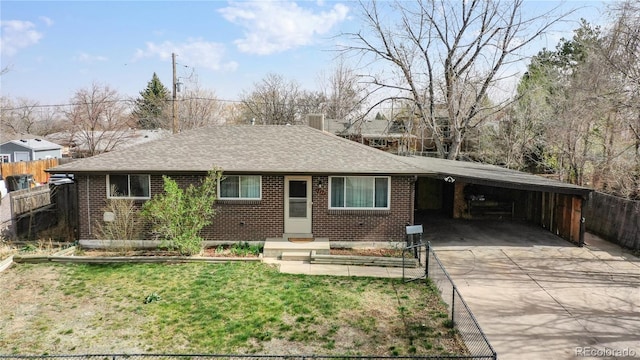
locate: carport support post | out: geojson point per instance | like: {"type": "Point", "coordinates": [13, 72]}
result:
{"type": "Point", "coordinates": [582, 224]}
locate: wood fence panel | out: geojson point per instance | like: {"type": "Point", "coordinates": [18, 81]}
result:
{"type": "Point", "coordinates": [26, 200]}
{"type": "Point", "coordinates": [36, 168]}
{"type": "Point", "coordinates": [615, 219]}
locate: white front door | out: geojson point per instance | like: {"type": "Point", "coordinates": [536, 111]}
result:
{"type": "Point", "coordinates": [297, 204]}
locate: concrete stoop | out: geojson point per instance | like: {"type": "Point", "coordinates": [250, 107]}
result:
{"type": "Point", "coordinates": [296, 255]}
{"type": "Point", "coordinates": [281, 248]}
{"type": "Point", "coordinates": [363, 260]}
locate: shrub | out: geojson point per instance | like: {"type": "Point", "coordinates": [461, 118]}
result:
{"type": "Point", "coordinates": [244, 249]}
{"type": "Point", "coordinates": [127, 224]}
{"type": "Point", "coordinates": [178, 215]}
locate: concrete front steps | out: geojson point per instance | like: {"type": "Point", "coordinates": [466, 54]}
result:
{"type": "Point", "coordinates": [317, 251]}
{"type": "Point", "coordinates": [363, 260]}
{"type": "Point", "coordinates": [283, 249]}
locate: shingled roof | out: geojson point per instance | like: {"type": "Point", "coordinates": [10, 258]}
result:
{"type": "Point", "coordinates": [35, 144]}
{"type": "Point", "coordinates": [300, 149]}
{"type": "Point", "coordinates": [491, 175]}
{"type": "Point", "coordinates": [245, 149]}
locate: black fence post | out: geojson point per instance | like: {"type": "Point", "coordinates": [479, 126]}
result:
{"type": "Point", "coordinates": [426, 265]}
{"type": "Point", "coordinates": [453, 304]}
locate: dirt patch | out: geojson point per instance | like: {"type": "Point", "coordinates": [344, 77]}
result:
{"type": "Point", "coordinates": [368, 252]}
{"type": "Point", "coordinates": [60, 309]}
{"type": "Point", "coordinates": [209, 252]}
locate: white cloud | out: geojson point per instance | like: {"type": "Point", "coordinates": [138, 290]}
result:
{"type": "Point", "coordinates": [47, 21]}
{"type": "Point", "coordinates": [272, 27]}
{"type": "Point", "coordinates": [16, 35]}
{"type": "Point", "coordinates": [83, 57]}
{"type": "Point", "coordinates": [194, 52]}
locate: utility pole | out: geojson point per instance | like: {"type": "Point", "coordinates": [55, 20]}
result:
{"type": "Point", "coordinates": [175, 93]}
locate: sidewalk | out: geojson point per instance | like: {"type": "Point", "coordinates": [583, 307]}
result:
{"type": "Point", "coordinates": [305, 268]}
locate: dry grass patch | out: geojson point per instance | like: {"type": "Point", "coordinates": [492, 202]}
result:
{"type": "Point", "coordinates": [216, 308]}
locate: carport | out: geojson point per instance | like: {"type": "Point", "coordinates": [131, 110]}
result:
{"type": "Point", "coordinates": [537, 296]}
{"type": "Point", "coordinates": [466, 190]}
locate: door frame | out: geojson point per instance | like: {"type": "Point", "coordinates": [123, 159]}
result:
{"type": "Point", "coordinates": [298, 225]}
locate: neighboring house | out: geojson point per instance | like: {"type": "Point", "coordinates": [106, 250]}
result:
{"type": "Point", "coordinates": [79, 144]}
{"type": "Point", "coordinates": [404, 134]}
{"type": "Point", "coordinates": [29, 150]}
{"type": "Point", "coordinates": [298, 180]}
{"type": "Point", "coordinates": [380, 133]}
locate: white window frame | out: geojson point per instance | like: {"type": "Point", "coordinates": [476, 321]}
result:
{"type": "Point", "coordinates": [15, 155]}
{"type": "Point", "coordinates": [4, 157]}
{"type": "Point", "coordinates": [388, 207]}
{"type": "Point", "coordinates": [109, 196]}
{"type": "Point", "coordinates": [240, 198]}
{"type": "Point", "coordinates": [378, 143]}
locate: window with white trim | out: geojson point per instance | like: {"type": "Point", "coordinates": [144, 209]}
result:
{"type": "Point", "coordinates": [240, 187]}
{"type": "Point", "coordinates": [4, 158]}
{"type": "Point", "coordinates": [359, 192]}
{"type": "Point", "coordinates": [130, 186]}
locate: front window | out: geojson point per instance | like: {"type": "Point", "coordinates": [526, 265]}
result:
{"type": "Point", "coordinates": [4, 158]}
{"type": "Point", "coordinates": [359, 192]}
{"type": "Point", "coordinates": [245, 187]}
{"type": "Point", "coordinates": [128, 186]}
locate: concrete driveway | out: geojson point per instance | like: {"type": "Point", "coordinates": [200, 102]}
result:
{"type": "Point", "coordinates": [537, 296]}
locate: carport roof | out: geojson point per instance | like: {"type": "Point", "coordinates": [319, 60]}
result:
{"type": "Point", "coordinates": [490, 175]}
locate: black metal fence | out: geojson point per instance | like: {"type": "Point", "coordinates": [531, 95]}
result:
{"type": "Point", "coordinates": [462, 318]}
{"type": "Point", "coordinates": [414, 262]}
{"type": "Point", "coordinates": [428, 264]}
{"type": "Point", "coordinates": [230, 357]}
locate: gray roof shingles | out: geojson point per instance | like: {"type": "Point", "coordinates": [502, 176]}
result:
{"type": "Point", "coordinates": [491, 175]}
{"type": "Point", "coordinates": [257, 149]}
{"type": "Point", "coordinates": [293, 150]}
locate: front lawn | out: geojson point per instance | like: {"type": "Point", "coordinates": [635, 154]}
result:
{"type": "Point", "coordinates": [215, 308]}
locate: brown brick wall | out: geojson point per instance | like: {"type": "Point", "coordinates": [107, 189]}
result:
{"type": "Point", "coordinates": [257, 220]}
{"type": "Point", "coordinates": [364, 225]}
{"type": "Point", "coordinates": [248, 221]}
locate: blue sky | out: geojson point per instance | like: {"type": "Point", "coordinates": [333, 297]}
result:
{"type": "Point", "coordinates": [54, 48]}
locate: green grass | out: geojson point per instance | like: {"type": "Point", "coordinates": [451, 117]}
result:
{"type": "Point", "coordinates": [235, 307]}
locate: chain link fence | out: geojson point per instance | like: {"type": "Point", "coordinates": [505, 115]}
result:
{"type": "Point", "coordinates": [414, 262]}
{"type": "Point", "coordinates": [461, 317]}
{"type": "Point", "coordinates": [420, 262]}
{"type": "Point", "coordinates": [229, 357]}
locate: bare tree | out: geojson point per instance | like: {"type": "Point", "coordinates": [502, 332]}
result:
{"type": "Point", "coordinates": [446, 53]}
{"type": "Point", "coordinates": [98, 119]}
{"type": "Point", "coordinates": [343, 92]}
{"type": "Point", "coordinates": [19, 117]}
{"type": "Point", "coordinates": [234, 113]}
{"type": "Point", "coordinates": [623, 54]}
{"type": "Point", "coordinates": [273, 101]}
{"type": "Point", "coordinates": [198, 107]}
{"type": "Point", "coordinates": [25, 116]}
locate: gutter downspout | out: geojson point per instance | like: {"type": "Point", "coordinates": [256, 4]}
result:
{"type": "Point", "coordinates": [88, 204]}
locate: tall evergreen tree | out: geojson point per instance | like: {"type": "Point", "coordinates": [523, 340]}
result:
{"type": "Point", "coordinates": [150, 111]}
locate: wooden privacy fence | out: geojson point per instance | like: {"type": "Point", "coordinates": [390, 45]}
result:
{"type": "Point", "coordinates": [26, 200]}
{"type": "Point", "coordinates": [36, 168]}
{"type": "Point", "coordinates": [615, 219]}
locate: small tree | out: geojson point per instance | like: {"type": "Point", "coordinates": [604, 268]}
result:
{"type": "Point", "coordinates": [150, 107]}
{"type": "Point", "coordinates": [178, 215]}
